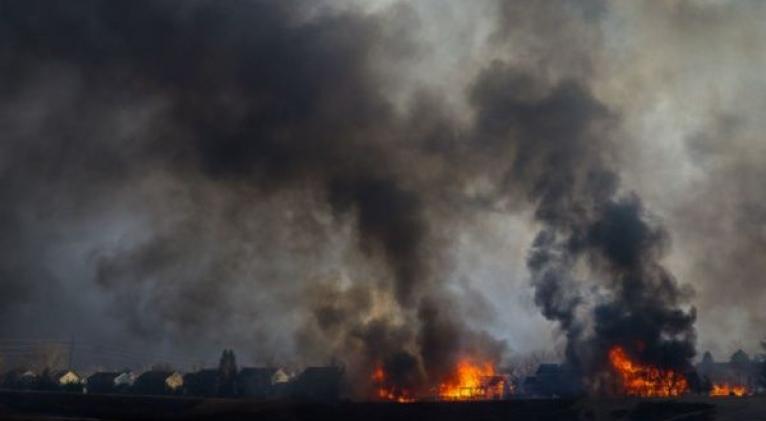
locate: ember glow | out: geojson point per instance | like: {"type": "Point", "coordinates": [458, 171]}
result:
{"type": "Point", "coordinates": [725, 389]}
{"type": "Point", "coordinates": [472, 381]}
{"type": "Point", "coordinates": [644, 380]}
{"type": "Point", "coordinates": [389, 392]}
{"type": "Point", "coordinates": [468, 381]}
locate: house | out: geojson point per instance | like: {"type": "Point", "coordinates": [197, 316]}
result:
{"type": "Point", "coordinates": [280, 382]}
{"type": "Point", "coordinates": [67, 380]}
{"type": "Point", "coordinates": [66, 377]}
{"type": "Point", "coordinates": [175, 382]}
{"type": "Point", "coordinates": [124, 381]}
{"type": "Point", "coordinates": [497, 387]}
{"type": "Point", "coordinates": [529, 387]}
{"type": "Point", "coordinates": [318, 383]}
{"type": "Point", "coordinates": [158, 382]}
{"type": "Point", "coordinates": [202, 383]}
{"type": "Point", "coordinates": [258, 382]}
{"type": "Point", "coordinates": [101, 382]}
{"type": "Point", "coordinates": [21, 379]}
{"type": "Point", "coordinates": [553, 380]}
{"type": "Point", "coordinates": [739, 370]}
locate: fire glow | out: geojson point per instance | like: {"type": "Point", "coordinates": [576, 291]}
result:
{"type": "Point", "coordinates": [646, 381]}
{"type": "Point", "coordinates": [725, 389]}
{"type": "Point", "coordinates": [468, 381]}
{"type": "Point", "coordinates": [473, 382]}
{"type": "Point", "coordinates": [389, 392]}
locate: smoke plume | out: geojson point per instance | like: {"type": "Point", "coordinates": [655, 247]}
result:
{"type": "Point", "coordinates": [375, 184]}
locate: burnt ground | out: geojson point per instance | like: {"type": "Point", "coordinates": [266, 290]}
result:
{"type": "Point", "coordinates": [45, 406]}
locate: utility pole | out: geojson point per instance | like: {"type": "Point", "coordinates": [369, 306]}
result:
{"type": "Point", "coordinates": [71, 352]}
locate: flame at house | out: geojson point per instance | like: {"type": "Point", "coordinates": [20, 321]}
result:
{"type": "Point", "coordinates": [238, 171]}
{"type": "Point", "coordinates": [645, 380]}
{"type": "Point", "coordinates": [387, 391]}
{"type": "Point", "coordinates": [474, 381]}
{"type": "Point", "coordinates": [726, 389]}
{"type": "Point", "coordinates": [468, 380]}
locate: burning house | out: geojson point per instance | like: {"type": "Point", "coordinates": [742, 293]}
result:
{"type": "Point", "coordinates": [468, 381]}
{"type": "Point", "coordinates": [326, 181]}
{"type": "Point", "coordinates": [644, 380]}
{"type": "Point", "coordinates": [740, 376]}
{"type": "Point", "coordinates": [475, 382]}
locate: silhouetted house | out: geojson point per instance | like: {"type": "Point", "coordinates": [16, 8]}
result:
{"type": "Point", "coordinates": [739, 370]}
{"type": "Point", "coordinates": [101, 382]}
{"type": "Point", "coordinates": [262, 382]}
{"type": "Point", "coordinates": [318, 383]}
{"type": "Point", "coordinates": [255, 382]}
{"type": "Point", "coordinates": [529, 387]}
{"type": "Point", "coordinates": [21, 379]}
{"type": "Point", "coordinates": [158, 382]}
{"type": "Point", "coordinates": [553, 380]}
{"type": "Point", "coordinates": [201, 383]}
{"type": "Point", "coordinates": [740, 359]}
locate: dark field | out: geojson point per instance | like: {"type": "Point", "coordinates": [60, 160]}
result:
{"type": "Point", "coordinates": [61, 406]}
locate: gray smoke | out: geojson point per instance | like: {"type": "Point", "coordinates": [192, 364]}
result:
{"type": "Point", "coordinates": [561, 143]}
{"type": "Point", "coordinates": [301, 182]}
{"type": "Point", "coordinates": [264, 132]}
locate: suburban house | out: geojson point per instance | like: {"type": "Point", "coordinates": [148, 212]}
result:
{"type": "Point", "coordinates": [318, 383]}
{"type": "Point", "coordinates": [67, 380]}
{"type": "Point", "coordinates": [158, 382]}
{"type": "Point", "coordinates": [101, 382]}
{"type": "Point", "coordinates": [552, 380]}
{"type": "Point", "coordinates": [21, 379]}
{"type": "Point", "coordinates": [124, 381]}
{"type": "Point", "coordinates": [739, 370]}
{"type": "Point", "coordinates": [257, 382]}
{"type": "Point", "coordinates": [202, 383]}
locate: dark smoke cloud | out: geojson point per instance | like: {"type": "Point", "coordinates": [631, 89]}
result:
{"type": "Point", "coordinates": [560, 140]}
{"type": "Point", "coordinates": [251, 102]}
{"type": "Point", "coordinates": [241, 169]}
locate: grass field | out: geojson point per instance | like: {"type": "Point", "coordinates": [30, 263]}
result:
{"type": "Point", "coordinates": [61, 406]}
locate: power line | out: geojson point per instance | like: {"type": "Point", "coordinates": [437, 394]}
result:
{"type": "Point", "coordinates": [21, 348]}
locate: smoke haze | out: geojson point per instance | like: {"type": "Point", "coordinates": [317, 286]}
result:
{"type": "Point", "coordinates": [383, 182]}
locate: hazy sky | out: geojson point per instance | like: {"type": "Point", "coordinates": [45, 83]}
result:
{"type": "Point", "coordinates": [291, 178]}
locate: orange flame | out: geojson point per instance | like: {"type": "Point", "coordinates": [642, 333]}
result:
{"type": "Point", "coordinates": [644, 380]}
{"type": "Point", "coordinates": [389, 393]}
{"type": "Point", "coordinates": [725, 389]}
{"type": "Point", "coordinates": [468, 382]}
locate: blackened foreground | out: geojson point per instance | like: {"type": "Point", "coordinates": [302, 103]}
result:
{"type": "Point", "coordinates": [61, 406]}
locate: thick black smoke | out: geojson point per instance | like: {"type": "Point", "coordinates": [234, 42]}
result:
{"type": "Point", "coordinates": [242, 139]}
{"type": "Point", "coordinates": [591, 231]}
{"type": "Point", "coordinates": [254, 99]}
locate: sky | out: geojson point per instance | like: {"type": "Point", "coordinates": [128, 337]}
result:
{"type": "Point", "coordinates": [384, 180]}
